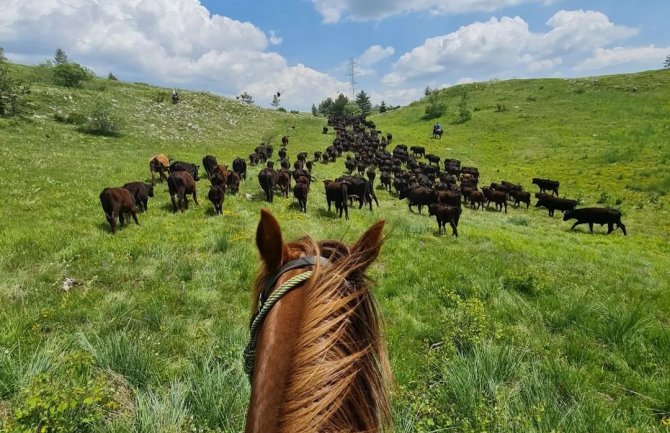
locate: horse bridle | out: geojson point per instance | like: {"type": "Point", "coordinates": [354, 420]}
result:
{"type": "Point", "coordinates": [267, 300]}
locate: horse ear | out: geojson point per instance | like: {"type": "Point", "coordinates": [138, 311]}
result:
{"type": "Point", "coordinates": [368, 246]}
{"type": "Point", "coordinates": [269, 241]}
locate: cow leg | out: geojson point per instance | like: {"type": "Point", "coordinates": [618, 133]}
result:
{"type": "Point", "coordinates": [504, 204]}
{"type": "Point", "coordinates": [329, 206]}
{"type": "Point", "coordinates": [112, 222]}
{"type": "Point", "coordinates": [346, 212]}
{"type": "Point", "coordinates": [454, 228]}
{"type": "Point", "coordinates": [134, 215]}
{"type": "Point", "coordinates": [195, 198]}
{"type": "Point", "coordinates": [591, 227]}
{"type": "Point", "coordinates": [610, 227]}
{"type": "Point", "coordinates": [623, 227]}
{"type": "Point", "coordinates": [153, 178]}
{"type": "Point", "coordinates": [575, 225]}
{"type": "Point", "coordinates": [121, 220]}
{"type": "Point", "coordinates": [174, 204]}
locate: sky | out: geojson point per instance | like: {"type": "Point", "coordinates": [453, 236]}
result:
{"type": "Point", "coordinates": [301, 48]}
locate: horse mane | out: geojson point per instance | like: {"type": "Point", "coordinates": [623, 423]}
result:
{"type": "Point", "coordinates": [337, 380]}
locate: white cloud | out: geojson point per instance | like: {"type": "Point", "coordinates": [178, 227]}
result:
{"type": "Point", "coordinates": [176, 41]}
{"type": "Point", "coordinates": [506, 47]}
{"type": "Point", "coordinates": [333, 11]}
{"type": "Point", "coordinates": [649, 57]}
{"type": "Point", "coordinates": [375, 54]}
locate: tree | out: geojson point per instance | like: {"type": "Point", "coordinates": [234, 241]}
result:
{"type": "Point", "coordinates": [326, 106]}
{"type": "Point", "coordinates": [427, 91]}
{"type": "Point", "coordinates": [382, 107]}
{"type": "Point", "coordinates": [435, 107]}
{"type": "Point", "coordinates": [2, 55]}
{"type": "Point", "coordinates": [12, 101]}
{"type": "Point", "coordinates": [60, 58]}
{"type": "Point", "coordinates": [111, 77]}
{"type": "Point", "coordinates": [363, 102]}
{"type": "Point", "coordinates": [70, 74]}
{"type": "Point", "coordinates": [667, 62]}
{"type": "Point", "coordinates": [276, 100]}
{"type": "Point", "coordinates": [245, 97]}
{"type": "Point", "coordinates": [463, 113]}
{"type": "Point", "coordinates": [315, 112]}
{"type": "Point", "coordinates": [103, 119]}
{"type": "Point", "coordinates": [339, 105]}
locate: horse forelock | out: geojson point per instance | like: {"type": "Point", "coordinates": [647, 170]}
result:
{"type": "Point", "coordinates": [337, 380]}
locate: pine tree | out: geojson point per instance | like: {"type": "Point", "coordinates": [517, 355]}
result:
{"type": "Point", "coordinates": [60, 58]}
{"type": "Point", "coordinates": [339, 105]}
{"type": "Point", "coordinates": [275, 100]}
{"type": "Point", "coordinates": [427, 91]}
{"type": "Point", "coordinates": [667, 62]}
{"type": "Point", "coordinates": [315, 112]}
{"type": "Point", "coordinates": [363, 102]}
{"type": "Point", "coordinates": [326, 106]}
{"type": "Point", "coordinates": [382, 107]}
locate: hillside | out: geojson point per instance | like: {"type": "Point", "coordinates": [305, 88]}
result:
{"type": "Point", "coordinates": [517, 325]}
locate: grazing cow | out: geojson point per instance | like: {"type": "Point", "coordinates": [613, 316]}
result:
{"type": "Point", "coordinates": [284, 182]}
{"type": "Point", "coordinates": [268, 179]}
{"type": "Point", "coordinates": [552, 203]}
{"type": "Point", "coordinates": [209, 162]}
{"type": "Point", "coordinates": [520, 197]}
{"type": "Point", "coordinates": [596, 215]}
{"type": "Point", "coordinates": [445, 214]}
{"type": "Point", "coordinates": [216, 194]}
{"type": "Point", "coordinates": [324, 130]}
{"type": "Point", "coordinates": [418, 196]}
{"type": "Point", "coordinates": [336, 192]}
{"type": "Point", "coordinates": [547, 185]}
{"type": "Point", "coordinates": [433, 159]}
{"type": "Point", "coordinates": [284, 141]}
{"type": "Point", "coordinates": [159, 164]}
{"type": "Point", "coordinates": [418, 151]}
{"type": "Point", "coordinates": [141, 191]}
{"type": "Point", "coordinates": [115, 202]}
{"type": "Point", "coordinates": [254, 159]}
{"type": "Point", "coordinates": [233, 182]}
{"type": "Point", "coordinates": [300, 192]}
{"type": "Point", "coordinates": [240, 167]}
{"type": "Point", "coordinates": [181, 183]}
{"type": "Point", "coordinates": [189, 168]}
{"type": "Point", "coordinates": [497, 197]}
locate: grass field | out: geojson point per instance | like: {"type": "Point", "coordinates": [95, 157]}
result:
{"type": "Point", "coordinates": [517, 325]}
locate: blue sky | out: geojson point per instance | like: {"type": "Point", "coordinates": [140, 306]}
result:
{"type": "Point", "coordinates": [301, 46]}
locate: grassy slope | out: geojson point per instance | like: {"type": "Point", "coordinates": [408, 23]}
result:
{"type": "Point", "coordinates": [557, 330]}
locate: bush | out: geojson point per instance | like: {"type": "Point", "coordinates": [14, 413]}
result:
{"type": "Point", "coordinates": [160, 96]}
{"type": "Point", "coordinates": [70, 74]}
{"type": "Point", "coordinates": [103, 120]}
{"type": "Point", "coordinates": [463, 113]}
{"type": "Point", "coordinates": [68, 399]}
{"type": "Point", "coordinates": [434, 109]}
{"type": "Point", "coordinates": [12, 94]}
{"type": "Point", "coordinates": [282, 109]}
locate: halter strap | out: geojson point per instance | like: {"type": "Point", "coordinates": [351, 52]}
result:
{"type": "Point", "coordinates": [268, 300]}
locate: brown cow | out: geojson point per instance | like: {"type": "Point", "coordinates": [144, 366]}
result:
{"type": "Point", "coordinates": [216, 194]}
{"type": "Point", "coordinates": [181, 183]}
{"type": "Point", "coordinates": [158, 164]}
{"type": "Point", "coordinates": [115, 202]}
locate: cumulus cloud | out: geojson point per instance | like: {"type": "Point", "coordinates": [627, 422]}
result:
{"type": "Point", "coordinates": [649, 57]}
{"type": "Point", "coordinates": [333, 11]}
{"type": "Point", "coordinates": [178, 41]}
{"type": "Point", "coordinates": [506, 47]}
{"type": "Point", "coordinates": [375, 54]}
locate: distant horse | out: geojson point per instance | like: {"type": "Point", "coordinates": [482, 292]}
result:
{"type": "Point", "coordinates": [437, 132]}
{"type": "Point", "coordinates": [317, 361]}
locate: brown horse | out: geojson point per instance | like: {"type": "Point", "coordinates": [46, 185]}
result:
{"type": "Point", "coordinates": [320, 362]}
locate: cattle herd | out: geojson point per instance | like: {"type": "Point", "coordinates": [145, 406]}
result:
{"type": "Point", "coordinates": [415, 176]}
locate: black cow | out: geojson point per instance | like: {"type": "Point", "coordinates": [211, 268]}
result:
{"type": "Point", "coordinates": [209, 163]}
{"type": "Point", "coordinates": [553, 203]}
{"type": "Point", "coordinates": [141, 191]}
{"type": "Point", "coordinates": [418, 196]}
{"type": "Point", "coordinates": [547, 185]}
{"type": "Point", "coordinates": [443, 214]}
{"type": "Point", "coordinates": [187, 167]}
{"type": "Point", "coordinates": [240, 167]}
{"type": "Point", "coordinates": [359, 187]}
{"type": "Point", "coordinates": [268, 179]}
{"type": "Point", "coordinates": [336, 192]}
{"type": "Point", "coordinates": [596, 215]}
{"type": "Point", "coordinates": [216, 194]}
{"type": "Point", "coordinates": [300, 192]}
{"type": "Point", "coordinates": [433, 159]}
{"type": "Point", "coordinates": [418, 151]}
{"type": "Point", "coordinates": [115, 202]}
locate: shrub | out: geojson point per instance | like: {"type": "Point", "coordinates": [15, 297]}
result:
{"type": "Point", "coordinates": [466, 324]}
{"type": "Point", "coordinates": [112, 77]}
{"type": "Point", "coordinates": [160, 96]}
{"type": "Point", "coordinates": [435, 108]}
{"type": "Point", "coordinates": [103, 120]}
{"type": "Point", "coordinates": [463, 113]}
{"type": "Point", "coordinates": [282, 109]}
{"type": "Point", "coordinates": [70, 74]}
{"type": "Point", "coordinates": [70, 398]}
{"type": "Point", "coordinates": [12, 94]}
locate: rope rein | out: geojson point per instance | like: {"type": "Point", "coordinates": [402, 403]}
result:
{"type": "Point", "coordinates": [263, 310]}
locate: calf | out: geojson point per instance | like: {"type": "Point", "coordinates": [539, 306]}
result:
{"type": "Point", "coordinates": [159, 164]}
{"type": "Point", "coordinates": [443, 214]}
{"type": "Point", "coordinates": [520, 197]}
{"type": "Point", "coordinates": [547, 185]}
{"type": "Point", "coordinates": [181, 183]}
{"type": "Point", "coordinates": [476, 198]}
{"type": "Point", "coordinates": [596, 215]}
{"type": "Point", "coordinates": [141, 192]}
{"type": "Point", "coordinates": [553, 203]}
{"type": "Point", "coordinates": [497, 197]}
{"type": "Point", "coordinates": [233, 182]}
{"type": "Point", "coordinates": [336, 192]}
{"type": "Point", "coordinates": [300, 192]}
{"type": "Point", "coordinates": [284, 141]}
{"type": "Point", "coordinates": [216, 194]}
{"type": "Point", "coordinates": [115, 202]}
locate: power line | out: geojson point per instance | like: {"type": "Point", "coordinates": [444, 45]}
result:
{"type": "Point", "coordinates": [351, 68]}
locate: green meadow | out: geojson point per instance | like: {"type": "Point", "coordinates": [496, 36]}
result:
{"type": "Point", "coordinates": [517, 325]}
